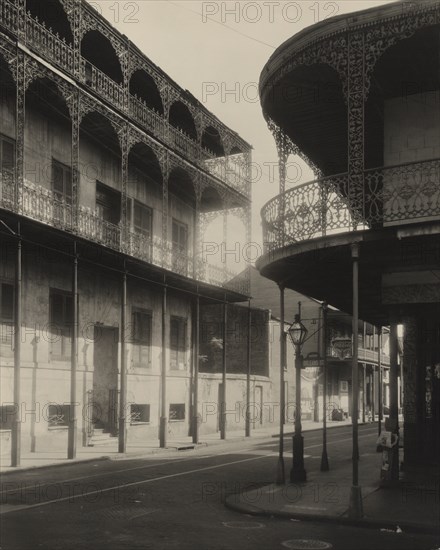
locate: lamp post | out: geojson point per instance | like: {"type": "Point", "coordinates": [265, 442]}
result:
{"type": "Point", "coordinates": [297, 334]}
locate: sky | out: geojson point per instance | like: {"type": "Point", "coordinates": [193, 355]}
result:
{"type": "Point", "coordinates": [217, 51]}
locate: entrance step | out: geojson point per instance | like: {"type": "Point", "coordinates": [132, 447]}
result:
{"type": "Point", "coordinates": [101, 437]}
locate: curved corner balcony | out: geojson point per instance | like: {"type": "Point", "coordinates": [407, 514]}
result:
{"type": "Point", "coordinates": [395, 195]}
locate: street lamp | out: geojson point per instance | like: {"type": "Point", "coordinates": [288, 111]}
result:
{"type": "Point", "coordinates": [297, 333]}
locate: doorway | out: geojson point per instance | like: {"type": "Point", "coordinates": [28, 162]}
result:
{"type": "Point", "coordinates": [105, 378]}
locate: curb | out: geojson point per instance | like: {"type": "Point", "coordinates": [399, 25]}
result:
{"type": "Point", "coordinates": [340, 520]}
{"type": "Point", "coordinates": [55, 464]}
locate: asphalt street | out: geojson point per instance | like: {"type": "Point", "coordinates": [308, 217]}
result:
{"type": "Point", "coordinates": [175, 500]}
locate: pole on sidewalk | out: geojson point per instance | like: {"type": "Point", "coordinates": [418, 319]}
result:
{"type": "Point", "coordinates": [16, 425]}
{"type": "Point", "coordinates": [123, 394]}
{"type": "Point", "coordinates": [223, 402]}
{"type": "Point", "coordinates": [195, 430]}
{"type": "Point", "coordinates": [71, 444]}
{"type": "Point", "coordinates": [324, 458]}
{"type": "Point", "coordinates": [364, 390]}
{"type": "Point", "coordinates": [163, 378]}
{"type": "Point", "coordinates": [379, 384]}
{"type": "Point", "coordinates": [355, 505]}
{"type": "Point", "coordinates": [393, 419]}
{"type": "Point", "coordinates": [248, 373]}
{"type": "Point", "coordinates": [280, 466]}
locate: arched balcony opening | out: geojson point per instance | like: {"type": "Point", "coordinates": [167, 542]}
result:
{"type": "Point", "coordinates": [51, 13]}
{"type": "Point", "coordinates": [100, 180]}
{"type": "Point", "coordinates": [180, 117]}
{"type": "Point", "coordinates": [7, 135]}
{"type": "Point", "coordinates": [143, 87]}
{"type": "Point", "coordinates": [144, 202]}
{"type": "Point", "coordinates": [308, 104]}
{"type": "Point", "coordinates": [181, 211]}
{"type": "Point", "coordinates": [47, 154]}
{"type": "Point", "coordinates": [212, 142]}
{"type": "Point", "coordinates": [99, 52]}
{"type": "Point", "coordinates": [402, 139]}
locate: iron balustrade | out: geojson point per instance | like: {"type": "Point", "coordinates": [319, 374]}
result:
{"type": "Point", "coordinates": [8, 16]}
{"type": "Point", "coordinates": [183, 143]}
{"type": "Point", "coordinates": [102, 84]}
{"type": "Point", "coordinates": [390, 196]}
{"type": "Point", "coordinates": [49, 45]}
{"type": "Point", "coordinates": [43, 205]}
{"type": "Point", "coordinates": [150, 120]}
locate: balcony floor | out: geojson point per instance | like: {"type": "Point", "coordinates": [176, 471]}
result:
{"type": "Point", "coordinates": [322, 268]}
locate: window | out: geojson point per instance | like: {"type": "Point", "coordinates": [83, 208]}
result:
{"type": "Point", "coordinates": [180, 247]}
{"type": "Point", "coordinates": [7, 168]}
{"type": "Point", "coordinates": [142, 326]}
{"type": "Point", "coordinates": [62, 189]}
{"type": "Point", "coordinates": [6, 318]}
{"type": "Point", "coordinates": [177, 342]}
{"type": "Point", "coordinates": [108, 203]}
{"type": "Point", "coordinates": [177, 412]}
{"type": "Point", "coordinates": [58, 415]}
{"type": "Point", "coordinates": [140, 221]}
{"type": "Point", "coordinates": [139, 414]}
{"type": "Point", "coordinates": [62, 182]}
{"type": "Point", "coordinates": [7, 158]}
{"type": "Point", "coordinates": [60, 319]}
{"type": "Point", "coordinates": [7, 413]}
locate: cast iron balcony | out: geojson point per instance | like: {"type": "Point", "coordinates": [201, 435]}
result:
{"type": "Point", "coordinates": [395, 195]}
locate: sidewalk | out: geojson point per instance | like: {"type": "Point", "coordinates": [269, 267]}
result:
{"type": "Point", "coordinates": [411, 505]}
{"type": "Point", "coordinates": [46, 458]}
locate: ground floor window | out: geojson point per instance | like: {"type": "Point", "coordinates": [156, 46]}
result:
{"type": "Point", "coordinates": [139, 414]}
{"type": "Point", "coordinates": [177, 411]}
{"type": "Point", "coordinates": [58, 415]}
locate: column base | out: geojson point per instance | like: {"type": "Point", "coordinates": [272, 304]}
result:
{"type": "Point", "coordinates": [355, 507]}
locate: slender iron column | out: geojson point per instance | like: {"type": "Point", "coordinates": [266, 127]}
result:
{"type": "Point", "coordinates": [373, 384]}
{"type": "Point", "coordinates": [355, 506]}
{"type": "Point", "coordinates": [393, 420]}
{"type": "Point", "coordinates": [324, 457]}
{"type": "Point", "coordinates": [364, 390]}
{"type": "Point", "coordinates": [16, 426]}
{"type": "Point", "coordinates": [163, 397]}
{"type": "Point", "coordinates": [379, 385]}
{"type": "Point", "coordinates": [195, 431]}
{"type": "Point", "coordinates": [248, 373]}
{"type": "Point", "coordinates": [71, 444]}
{"type": "Point", "coordinates": [123, 393]}
{"type": "Point", "coordinates": [223, 403]}
{"type": "Point", "coordinates": [280, 467]}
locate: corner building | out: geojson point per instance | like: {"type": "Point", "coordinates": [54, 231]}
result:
{"type": "Point", "coordinates": [110, 175]}
{"type": "Point", "coordinates": [357, 96]}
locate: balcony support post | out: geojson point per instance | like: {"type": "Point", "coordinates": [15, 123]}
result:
{"type": "Point", "coordinates": [122, 434]}
{"type": "Point", "coordinates": [75, 116]}
{"type": "Point", "coordinates": [364, 390]}
{"type": "Point", "coordinates": [392, 423]}
{"type": "Point", "coordinates": [163, 378]}
{"type": "Point", "coordinates": [223, 392]}
{"type": "Point", "coordinates": [324, 458]}
{"type": "Point", "coordinates": [248, 373]}
{"type": "Point", "coordinates": [19, 127]}
{"type": "Point", "coordinates": [379, 385]}
{"type": "Point", "coordinates": [355, 509]}
{"type": "Point", "coordinates": [280, 467]}
{"type": "Point", "coordinates": [16, 421]}
{"type": "Point", "coordinates": [71, 445]}
{"type": "Point", "coordinates": [196, 351]}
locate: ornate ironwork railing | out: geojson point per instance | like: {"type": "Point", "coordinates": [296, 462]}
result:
{"type": "Point", "coordinates": [50, 45]}
{"type": "Point", "coordinates": [147, 118]}
{"type": "Point", "coordinates": [102, 84]}
{"type": "Point", "coordinates": [8, 15]}
{"type": "Point", "coordinates": [393, 195]}
{"type": "Point", "coordinates": [42, 204]}
{"type": "Point", "coordinates": [183, 143]}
